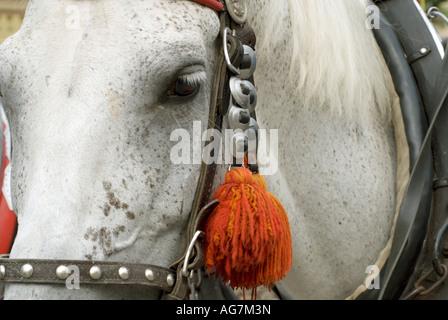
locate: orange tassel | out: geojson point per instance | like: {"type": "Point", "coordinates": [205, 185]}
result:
{"type": "Point", "coordinates": [248, 238]}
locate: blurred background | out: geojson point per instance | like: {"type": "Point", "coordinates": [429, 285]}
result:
{"type": "Point", "coordinates": [12, 12]}
{"type": "Point", "coordinates": [443, 7]}
{"type": "Point", "coordinates": [11, 16]}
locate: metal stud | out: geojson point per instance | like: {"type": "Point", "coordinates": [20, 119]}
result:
{"type": "Point", "coordinates": [237, 10]}
{"type": "Point", "coordinates": [26, 271]}
{"type": "Point", "coordinates": [123, 272]}
{"type": "Point", "coordinates": [170, 280]}
{"type": "Point", "coordinates": [95, 273]}
{"type": "Point", "coordinates": [63, 272]}
{"type": "Point", "coordinates": [2, 271]}
{"type": "Point", "coordinates": [149, 274]}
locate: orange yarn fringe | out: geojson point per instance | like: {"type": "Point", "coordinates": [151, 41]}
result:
{"type": "Point", "coordinates": [248, 238]}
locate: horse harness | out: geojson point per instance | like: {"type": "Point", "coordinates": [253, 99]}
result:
{"type": "Point", "coordinates": [232, 106]}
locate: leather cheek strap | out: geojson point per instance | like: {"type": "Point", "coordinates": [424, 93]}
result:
{"type": "Point", "coordinates": [204, 189]}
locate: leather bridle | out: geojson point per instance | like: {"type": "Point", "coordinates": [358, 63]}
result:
{"type": "Point", "coordinates": [237, 57]}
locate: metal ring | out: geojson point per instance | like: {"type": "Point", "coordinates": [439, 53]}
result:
{"type": "Point", "coordinates": [231, 67]}
{"type": "Point", "coordinates": [434, 13]}
{"type": "Point", "coordinates": [189, 251]}
{"type": "Point", "coordinates": [414, 293]}
{"type": "Point", "coordinates": [436, 284]}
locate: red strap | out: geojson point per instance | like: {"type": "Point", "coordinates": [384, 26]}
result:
{"type": "Point", "coordinates": [8, 219]}
{"type": "Point", "coordinates": [8, 223]}
{"type": "Point", "coordinates": [214, 4]}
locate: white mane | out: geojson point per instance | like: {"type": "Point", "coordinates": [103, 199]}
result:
{"type": "Point", "coordinates": [345, 77]}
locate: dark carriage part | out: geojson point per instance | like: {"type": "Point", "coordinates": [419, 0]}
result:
{"type": "Point", "coordinates": [415, 57]}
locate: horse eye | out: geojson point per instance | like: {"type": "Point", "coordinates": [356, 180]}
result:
{"type": "Point", "coordinates": [186, 85]}
{"type": "Point", "coordinates": [182, 88]}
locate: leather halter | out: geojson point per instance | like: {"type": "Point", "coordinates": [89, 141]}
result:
{"type": "Point", "coordinates": [173, 281]}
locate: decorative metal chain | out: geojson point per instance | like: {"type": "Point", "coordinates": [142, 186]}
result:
{"type": "Point", "coordinates": [439, 271]}
{"type": "Point", "coordinates": [432, 277]}
{"type": "Point", "coordinates": [242, 104]}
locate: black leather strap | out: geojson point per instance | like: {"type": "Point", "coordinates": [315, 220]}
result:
{"type": "Point", "coordinates": [416, 128]}
{"type": "Point", "coordinates": [411, 201]}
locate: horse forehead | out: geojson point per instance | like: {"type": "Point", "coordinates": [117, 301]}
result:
{"type": "Point", "coordinates": [151, 15]}
{"type": "Point", "coordinates": [78, 33]}
{"type": "Point", "coordinates": [134, 28]}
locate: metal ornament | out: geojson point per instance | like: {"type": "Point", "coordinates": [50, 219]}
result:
{"type": "Point", "coordinates": [250, 58]}
{"type": "Point", "coordinates": [124, 273]}
{"type": "Point", "coordinates": [95, 273]}
{"type": "Point", "coordinates": [242, 104]}
{"type": "Point", "coordinates": [149, 274]}
{"type": "Point", "coordinates": [239, 143]}
{"type": "Point", "coordinates": [27, 271]}
{"type": "Point", "coordinates": [237, 10]}
{"type": "Point", "coordinates": [238, 118]}
{"type": "Point", "coordinates": [170, 280]}
{"type": "Point", "coordinates": [63, 272]}
{"type": "Point", "coordinates": [244, 93]}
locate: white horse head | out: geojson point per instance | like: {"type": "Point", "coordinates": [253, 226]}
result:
{"type": "Point", "coordinates": [93, 91]}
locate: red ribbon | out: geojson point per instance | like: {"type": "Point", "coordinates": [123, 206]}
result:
{"type": "Point", "coordinates": [214, 4]}
{"type": "Point", "coordinates": [8, 219]}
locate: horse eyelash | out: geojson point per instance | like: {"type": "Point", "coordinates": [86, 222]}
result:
{"type": "Point", "coordinates": [194, 78]}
